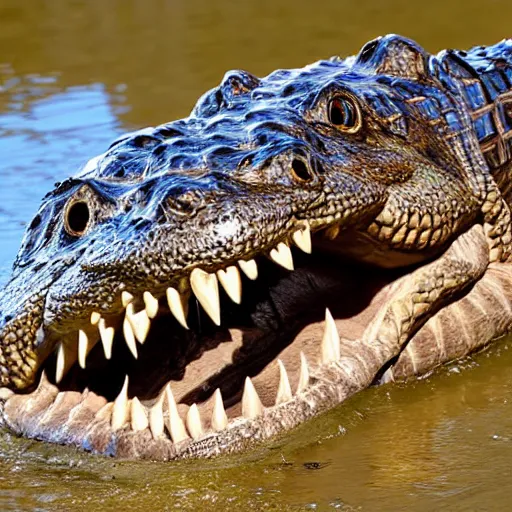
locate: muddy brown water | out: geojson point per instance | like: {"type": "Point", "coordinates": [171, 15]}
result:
{"type": "Point", "coordinates": [75, 74]}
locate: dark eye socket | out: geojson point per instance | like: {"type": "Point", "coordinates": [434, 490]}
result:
{"type": "Point", "coordinates": [77, 217]}
{"type": "Point", "coordinates": [301, 172]}
{"type": "Point", "coordinates": [344, 113]}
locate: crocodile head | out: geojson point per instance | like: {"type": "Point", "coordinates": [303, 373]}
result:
{"type": "Point", "coordinates": [308, 189]}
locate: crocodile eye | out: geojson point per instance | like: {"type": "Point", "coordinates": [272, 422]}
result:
{"type": "Point", "coordinates": [344, 113]}
{"type": "Point", "coordinates": [76, 218]}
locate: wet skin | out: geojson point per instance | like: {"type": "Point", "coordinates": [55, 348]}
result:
{"type": "Point", "coordinates": [380, 165]}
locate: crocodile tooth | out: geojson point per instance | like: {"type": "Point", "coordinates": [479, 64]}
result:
{"type": "Point", "coordinates": [249, 268]}
{"type": "Point", "coordinates": [129, 337]}
{"type": "Point", "coordinates": [284, 392]}
{"type": "Point", "coordinates": [43, 381]}
{"type": "Point", "coordinates": [219, 416]}
{"type": "Point", "coordinates": [140, 322]}
{"type": "Point", "coordinates": [231, 282]}
{"type": "Point", "coordinates": [61, 362]}
{"type": "Point", "coordinates": [302, 239]}
{"type": "Point", "coordinates": [176, 426]}
{"type": "Point", "coordinates": [84, 346]}
{"type": "Point", "coordinates": [138, 416]}
{"type": "Point", "coordinates": [107, 337]}
{"type": "Point", "coordinates": [330, 340]}
{"type": "Point", "coordinates": [282, 256]}
{"type": "Point", "coordinates": [66, 357]}
{"type": "Point", "coordinates": [251, 403]}
{"type": "Point", "coordinates": [121, 411]}
{"type": "Point", "coordinates": [95, 317]}
{"type": "Point", "coordinates": [194, 424]}
{"type": "Point", "coordinates": [178, 306]}
{"type": "Point", "coordinates": [126, 298]}
{"type": "Point", "coordinates": [206, 288]}
{"type": "Point", "coordinates": [156, 417]}
{"type": "Point", "coordinates": [151, 304]}
{"type": "Point", "coordinates": [304, 374]}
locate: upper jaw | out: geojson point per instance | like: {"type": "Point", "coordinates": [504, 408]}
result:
{"type": "Point", "coordinates": [170, 259]}
{"type": "Point", "coordinates": [90, 299]}
{"type": "Point", "coordinates": [71, 330]}
{"type": "Point", "coordinates": [150, 251]}
{"type": "Point", "coordinates": [133, 308]}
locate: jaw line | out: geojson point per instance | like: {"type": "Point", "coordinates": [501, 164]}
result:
{"type": "Point", "coordinates": [129, 442]}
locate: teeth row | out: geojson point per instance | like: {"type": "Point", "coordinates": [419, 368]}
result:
{"type": "Point", "coordinates": [206, 289]}
{"type": "Point", "coordinates": [139, 417]}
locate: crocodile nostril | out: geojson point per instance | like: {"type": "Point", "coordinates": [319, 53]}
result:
{"type": "Point", "coordinates": [319, 168]}
{"type": "Point", "coordinates": [145, 141]}
{"type": "Point", "coordinates": [301, 171]}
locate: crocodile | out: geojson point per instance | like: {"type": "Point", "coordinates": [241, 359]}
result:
{"type": "Point", "coordinates": [361, 203]}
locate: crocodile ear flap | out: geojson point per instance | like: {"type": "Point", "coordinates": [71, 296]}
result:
{"type": "Point", "coordinates": [396, 56]}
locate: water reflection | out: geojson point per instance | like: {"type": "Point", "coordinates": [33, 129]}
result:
{"type": "Point", "coordinates": [46, 132]}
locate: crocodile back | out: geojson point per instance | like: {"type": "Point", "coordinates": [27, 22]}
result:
{"type": "Point", "coordinates": [484, 76]}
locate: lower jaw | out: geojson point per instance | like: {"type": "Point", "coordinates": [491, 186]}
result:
{"type": "Point", "coordinates": [75, 415]}
{"type": "Point", "coordinates": [87, 420]}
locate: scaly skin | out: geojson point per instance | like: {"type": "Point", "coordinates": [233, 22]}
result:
{"type": "Point", "coordinates": [400, 158]}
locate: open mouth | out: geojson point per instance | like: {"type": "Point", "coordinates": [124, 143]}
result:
{"type": "Point", "coordinates": [223, 369]}
{"type": "Point", "coordinates": [165, 370]}
{"type": "Point", "coordinates": [166, 342]}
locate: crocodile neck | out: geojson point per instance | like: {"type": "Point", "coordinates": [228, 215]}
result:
{"type": "Point", "coordinates": [484, 75]}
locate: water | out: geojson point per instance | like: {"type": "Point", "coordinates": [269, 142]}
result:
{"type": "Point", "coordinates": [74, 75]}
